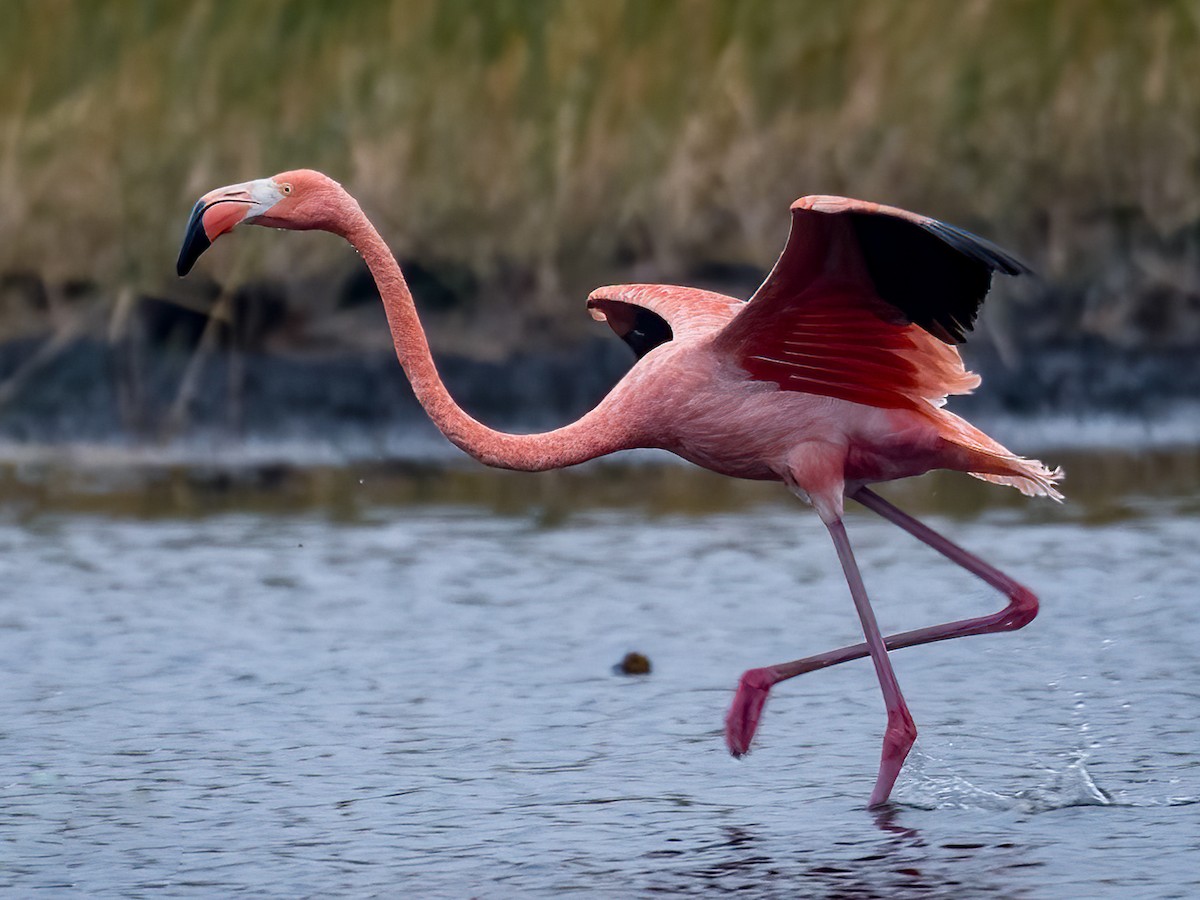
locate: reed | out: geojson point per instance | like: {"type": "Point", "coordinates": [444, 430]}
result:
{"type": "Point", "coordinates": [546, 146]}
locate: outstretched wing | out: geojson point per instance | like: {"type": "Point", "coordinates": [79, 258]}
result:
{"type": "Point", "coordinates": [865, 304]}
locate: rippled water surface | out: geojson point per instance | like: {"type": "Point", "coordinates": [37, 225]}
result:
{"type": "Point", "coordinates": [368, 681]}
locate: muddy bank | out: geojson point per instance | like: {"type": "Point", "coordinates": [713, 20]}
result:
{"type": "Point", "coordinates": [92, 390]}
{"type": "Point", "coordinates": [277, 360]}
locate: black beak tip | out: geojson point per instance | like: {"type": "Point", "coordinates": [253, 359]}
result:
{"type": "Point", "coordinates": [190, 253]}
{"type": "Point", "coordinates": [195, 242]}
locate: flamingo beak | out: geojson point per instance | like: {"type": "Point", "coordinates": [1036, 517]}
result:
{"type": "Point", "coordinates": [220, 211]}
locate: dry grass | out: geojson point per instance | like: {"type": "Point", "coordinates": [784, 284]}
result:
{"type": "Point", "coordinates": [554, 145]}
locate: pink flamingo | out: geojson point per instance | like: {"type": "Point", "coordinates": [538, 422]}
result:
{"type": "Point", "coordinates": [833, 376]}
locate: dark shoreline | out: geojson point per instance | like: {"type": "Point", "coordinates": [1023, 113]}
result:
{"type": "Point", "coordinates": [87, 391]}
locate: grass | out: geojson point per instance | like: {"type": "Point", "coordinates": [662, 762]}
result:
{"type": "Point", "coordinates": [544, 146]}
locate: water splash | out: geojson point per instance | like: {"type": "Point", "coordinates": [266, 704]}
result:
{"type": "Point", "coordinates": [1070, 786]}
{"type": "Point", "coordinates": [927, 784]}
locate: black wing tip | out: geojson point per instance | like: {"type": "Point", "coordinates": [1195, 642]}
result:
{"type": "Point", "coordinates": [936, 274]}
{"type": "Point", "coordinates": [977, 248]}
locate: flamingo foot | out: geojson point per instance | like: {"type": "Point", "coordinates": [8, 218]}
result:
{"type": "Point", "coordinates": [898, 739]}
{"type": "Point", "coordinates": [742, 721]}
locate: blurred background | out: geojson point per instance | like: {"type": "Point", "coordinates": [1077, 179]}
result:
{"type": "Point", "coordinates": [517, 154]}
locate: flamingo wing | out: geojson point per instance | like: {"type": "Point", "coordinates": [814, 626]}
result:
{"type": "Point", "coordinates": [865, 304]}
{"type": "Point", "coordinates": [646, 316]}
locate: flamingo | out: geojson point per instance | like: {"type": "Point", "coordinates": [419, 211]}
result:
{"type": "Point", "coordinates": [832, 377]}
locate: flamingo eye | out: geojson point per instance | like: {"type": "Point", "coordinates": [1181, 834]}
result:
{"type": "Point", "coordinates": [287, 188]}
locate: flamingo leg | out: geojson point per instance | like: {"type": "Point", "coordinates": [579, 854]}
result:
{"type": "Point", "coordinates": [901, 731]}
{"type": "Point", "coordinates": [744, 714]}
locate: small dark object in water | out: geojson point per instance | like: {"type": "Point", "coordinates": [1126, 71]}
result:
{"type": "Point", "coordinates": [633, 664]}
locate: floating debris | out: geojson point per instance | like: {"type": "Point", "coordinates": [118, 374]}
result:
{"type": "Point", "coordinates": [633, 664]}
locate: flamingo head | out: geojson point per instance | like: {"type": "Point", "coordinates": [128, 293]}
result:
{"type": "Point", "coordinates": [300, 200]}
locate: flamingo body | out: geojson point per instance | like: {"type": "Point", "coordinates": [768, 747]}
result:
{"type": "Point", "coordinates": [832, 377]}
{"type": "Point", "coordinates": [701, 401]}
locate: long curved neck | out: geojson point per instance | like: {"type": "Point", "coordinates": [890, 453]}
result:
{"type": "Point", "coordinates": [604, 430]}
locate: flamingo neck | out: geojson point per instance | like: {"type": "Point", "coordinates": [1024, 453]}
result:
{"type": "Point", "coordinates": [602, 431]}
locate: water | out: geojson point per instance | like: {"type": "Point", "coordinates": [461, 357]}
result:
{"type": "Point", "coordinates": [368, 681]}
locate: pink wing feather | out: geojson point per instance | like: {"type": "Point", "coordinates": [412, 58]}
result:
{"type": "Point", "coordinates": [864, 304]}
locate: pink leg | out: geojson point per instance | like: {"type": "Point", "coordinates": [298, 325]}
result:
{"type": "Point", "coordinates": [747, 708]}
{"type": "Point", "coordinates": [901, 732]}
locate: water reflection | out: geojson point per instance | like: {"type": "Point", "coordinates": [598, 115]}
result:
{"type": "Point", "coordinates": [887, 819]}
{"type": "Point", "coordinates": [897, 863]}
